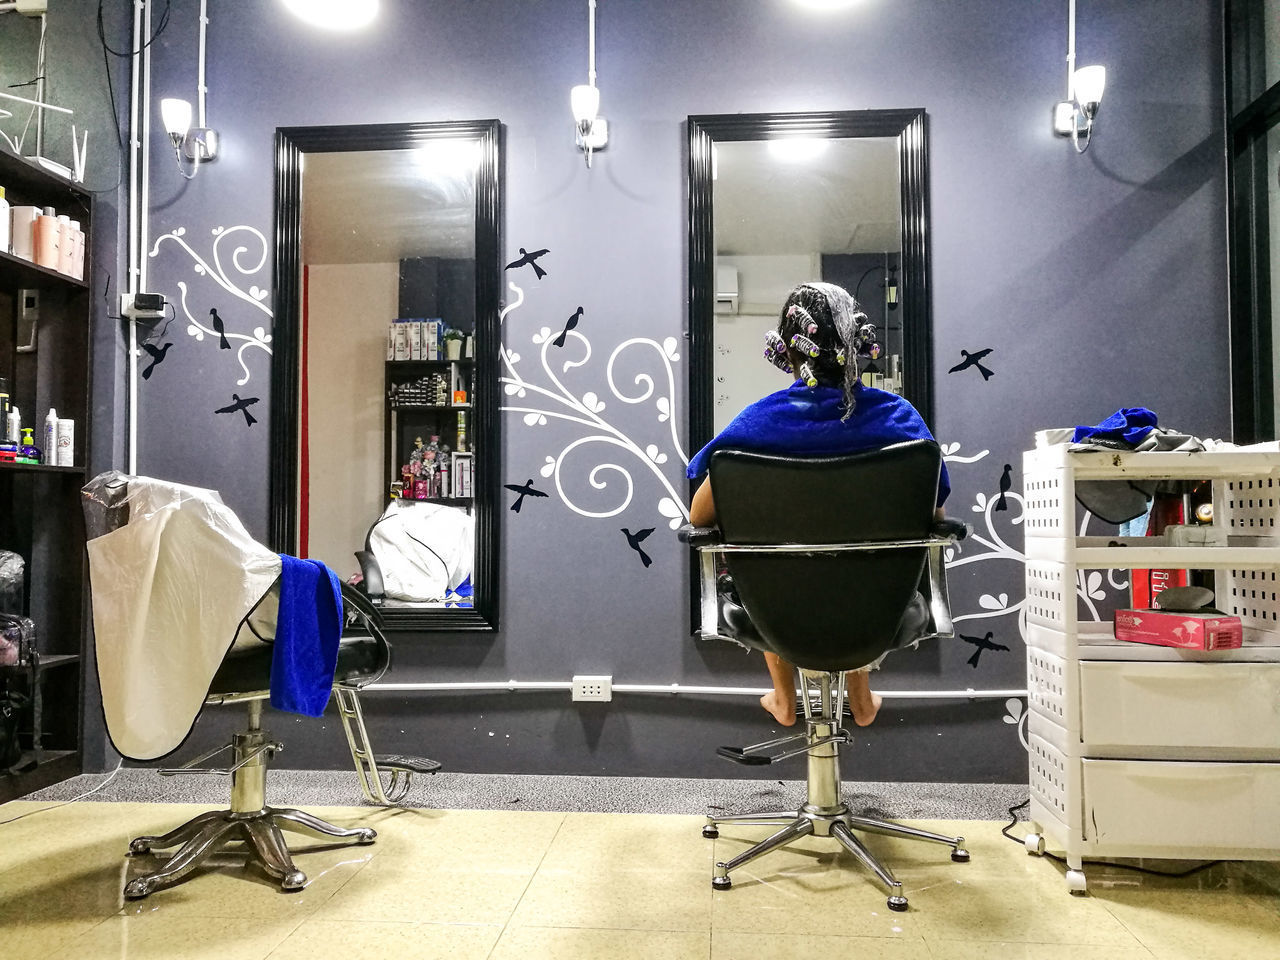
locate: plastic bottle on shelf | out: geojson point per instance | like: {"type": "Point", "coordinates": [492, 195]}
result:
{"type": "Point", "coordinates": [29, 452]}
{"type": "Point", "coordinates": [4, 223]}
{"type": "Point", "coordinates": [50, 438]}
{"type": "Point", "coordinates": [46, 239]}
{"type": "Point", "coordinates": [13, 425]}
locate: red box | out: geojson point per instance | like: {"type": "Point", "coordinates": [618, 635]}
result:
{"type": "Point", "coordinates": [1190, 631]}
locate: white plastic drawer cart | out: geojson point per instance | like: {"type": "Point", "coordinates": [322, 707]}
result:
{"type": "Point", "coordinates": [1148, 751]}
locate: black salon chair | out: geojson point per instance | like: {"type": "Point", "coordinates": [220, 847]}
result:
{"type": "Point", "coordinates": [244, 676]}
{"type": "Point", "coordinates": [831, 559]}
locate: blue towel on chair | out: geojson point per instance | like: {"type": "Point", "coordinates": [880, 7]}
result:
{"type": "Point", "coordinates": [309, 625]}
{"type": "Point", "coordinates": [807, 422]}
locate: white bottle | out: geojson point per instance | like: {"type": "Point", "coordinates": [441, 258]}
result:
{"type": "Point", "coordinates": [49, 454]}
{"type": "Point", "coordinates": [13, 425]}
{"type": "Point", "coordinates": [4, 225]}
{"type": "Point", "coordinates": [66, 443]}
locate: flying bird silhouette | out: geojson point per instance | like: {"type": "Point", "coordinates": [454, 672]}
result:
{"type": "Point", "coordinates": [525, 490]}
{"type": "Point", "coordinates": [157, 356]}
{"type": "Point", "coordinates": [222, 334]}
{"type": "Point", "coordinates": [1006, 481]}
{"type": "Point", "coordinates": [243, 407]}
{"type": "Point", "coordinates": [982, 643]}
{"type": "Point", "coordinates": [528, 259]}
{"type": "Point", "coordinates": [633, 541]}
{"type": "Point", "coordinates": [570, 324]}
{"type": "Point", "coordinates": [972, 360]}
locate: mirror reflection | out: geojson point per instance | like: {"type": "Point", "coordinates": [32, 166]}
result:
{"type": "Point", "coordinates": [788, 211]}
{"type": "Point", "coordinates": [387, 368]}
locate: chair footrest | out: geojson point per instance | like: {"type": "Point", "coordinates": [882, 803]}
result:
{"type": "Point", "coordinates": [746, 759]}
{"type": "Point", "coordinates": [396, 761]}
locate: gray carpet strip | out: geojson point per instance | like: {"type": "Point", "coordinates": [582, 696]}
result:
{"type": "Point", "coordinates": [472, 791]}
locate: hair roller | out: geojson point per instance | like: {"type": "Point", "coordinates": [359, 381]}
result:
{"type": "Point", "coordinates": [802, 318]}
{"type": "Point", "coordinates": [806, 374]}
{"type": "Point", "coordinates": [802, 344]}
{"type": "Point", "coordinates": [775, 351]}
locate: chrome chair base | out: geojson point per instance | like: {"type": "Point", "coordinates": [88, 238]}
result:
{"type": "Point", "coordinates": [202, 836]}
{"type": "Point", "coordinates": [839, 823]}
{"type": "Point", "coordinates": [825, 814]}
{"type": "Point", "coordinates": [249, 819]}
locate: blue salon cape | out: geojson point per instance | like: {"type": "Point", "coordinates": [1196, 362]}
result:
{"type": "Point", "coordinates": [308, 628]}
{"type": "Point", "coordinates": [806, 422]}
{"type": "Point", "coordinates": [1128, 426]}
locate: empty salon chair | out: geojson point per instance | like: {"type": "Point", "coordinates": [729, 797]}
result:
{"type": "Point", "coordinates": [829, 559]}
{"type": "Point", "coordinates": [184, 605]}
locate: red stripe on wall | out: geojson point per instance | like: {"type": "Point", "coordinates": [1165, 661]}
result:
{"type": "Point", "coordinates": [304, 450]}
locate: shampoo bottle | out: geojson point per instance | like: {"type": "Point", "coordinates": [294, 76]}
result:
{"type": "Point", "coordinates": [13, 425]}
{"type": "Point", "coordinates": [50, 438]}
{"type": "Point", "coordinates": [46, 239]}
{"type": "Point", "coordinates": [4, 223]}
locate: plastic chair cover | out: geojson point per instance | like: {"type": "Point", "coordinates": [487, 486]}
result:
{"type": "Point", "coordinates": [174, 575]}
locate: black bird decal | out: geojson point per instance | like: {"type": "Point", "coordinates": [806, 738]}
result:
{"type": "Point", "coordinates": [222, 334]}
{"type": "Point", "coordinates": [972, 360]}
{"type": "Point", "coordinates": [633, 541]}
{"type": "Point", "coordinates": [570, 324]}
{"type": "Point", "coordinates": [527, 259]}
{"type": "Point", "coordinates": [157, 356]}
{"type": "Point", "coordinates": [243, 407]}
{"type": "Point", "coordinates": [525, 490]}
{"type": "Point", "coordinates": [982, 643]}
{"type": "Point", "coordinates": [1006, 481]}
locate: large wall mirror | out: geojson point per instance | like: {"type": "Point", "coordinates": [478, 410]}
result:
{"type": "Point", "coordinates": [384, 400]}
{"type": "Point", "coordinates": [779, 199]}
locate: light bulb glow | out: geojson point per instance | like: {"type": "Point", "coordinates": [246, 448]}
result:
{"type": "Point", "coordinates": [1089, 83]}
{"type": "Point", "coordinates": [176, 115]}
{"type": "Point", "coordinates": [798, 149]}
{"type": "Point", "coordinates": [448, 157]}
{"type": "Point", "coordinates": [338, 15]}
{"type": "Point", "coordinates": [584, 101]}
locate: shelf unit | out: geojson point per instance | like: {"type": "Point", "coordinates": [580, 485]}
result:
{"type": "Point", "coordinates": [404, 421]}
{"type": "Point", "coordinates": [1148, 751]}
{"type": "Point", "coordinates": [40, 514]}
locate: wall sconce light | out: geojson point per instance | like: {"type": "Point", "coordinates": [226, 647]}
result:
{"type": "Point", "coordinates": [591, 130]}
{"type": "Point", "coordinates": [198, 144]}
{"type": "Point", "coordinates": [1073, 117]}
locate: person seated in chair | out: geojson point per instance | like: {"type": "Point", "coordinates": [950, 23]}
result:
{"type": "Point", "coordinates": [821, 334]}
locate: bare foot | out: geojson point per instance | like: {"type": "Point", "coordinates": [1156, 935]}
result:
{"type": "Point", "coordinates": [864, 711]}
{"type": "Point", "coordinates": [783, 709]}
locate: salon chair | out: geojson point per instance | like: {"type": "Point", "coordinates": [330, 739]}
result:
{"type": "Point", "coordinates": [827, 558]}
{"type": "Point", "coordinates": [244, 676]}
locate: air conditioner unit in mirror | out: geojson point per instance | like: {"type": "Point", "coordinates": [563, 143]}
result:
{"type": "Point", "coordinates": [726, 290]}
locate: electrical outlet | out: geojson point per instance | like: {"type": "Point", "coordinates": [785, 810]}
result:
{"type": "Point", "coordinates": [593, 688]}
{"type": "Point", "coordinates": [142, 306]}
{"type": "Point", "coordinates": [28, 305]}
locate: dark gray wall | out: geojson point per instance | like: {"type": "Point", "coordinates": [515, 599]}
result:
{"type": "Point", "coordinates": [76, 78]}
{"type": "Point", "coordinates": [1099, 281]}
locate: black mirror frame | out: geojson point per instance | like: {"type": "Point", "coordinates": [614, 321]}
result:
{"type": "Point", "coordinates": [910, 126]}
{"type": "Point", "coordinates": [290, 144]}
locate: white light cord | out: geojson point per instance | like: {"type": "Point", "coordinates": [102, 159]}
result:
{"type": "Point", "coordinates": [591, 42]}
{"type": "Point", "coordinates": [201, 88]}
{"type": "Point", "coordinates": [32, 813]}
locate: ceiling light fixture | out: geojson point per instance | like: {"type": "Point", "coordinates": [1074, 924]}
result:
{"type": "Point", "coordinates": [591, 130]}
{"type": "Point", "coordinates": [1073, 117]}
{"type": "Point", "coordinates": [336, 15]}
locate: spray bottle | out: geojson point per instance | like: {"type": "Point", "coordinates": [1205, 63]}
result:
{"type": "Point", "coordinates": [50, 437]}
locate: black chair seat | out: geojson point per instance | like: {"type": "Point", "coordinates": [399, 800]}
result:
{"type": "Point", "coordinates": [248, 668]}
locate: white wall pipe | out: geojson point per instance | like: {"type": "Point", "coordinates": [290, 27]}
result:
{"type": "Point", "coordinates": [135, 218]}
{"type": "Point", "coordinates": [512, 686]}
{"type": "Point", "coordinates": [201, 87]}
{"type": "Point", "coordinates": [591, 42]}
{"type": "Point", "coordinates": [1071, 51]}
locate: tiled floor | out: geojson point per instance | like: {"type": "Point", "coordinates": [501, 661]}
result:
{"type": "Point", "coordinates": [525, 885]}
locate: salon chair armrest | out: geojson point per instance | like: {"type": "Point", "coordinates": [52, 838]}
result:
{"type": "Point", "coordinates": [951, 529]}
{"type": "Point", "coordinates": [699, 536]}
{"type": "Point", "coordinates": [372, 574]}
